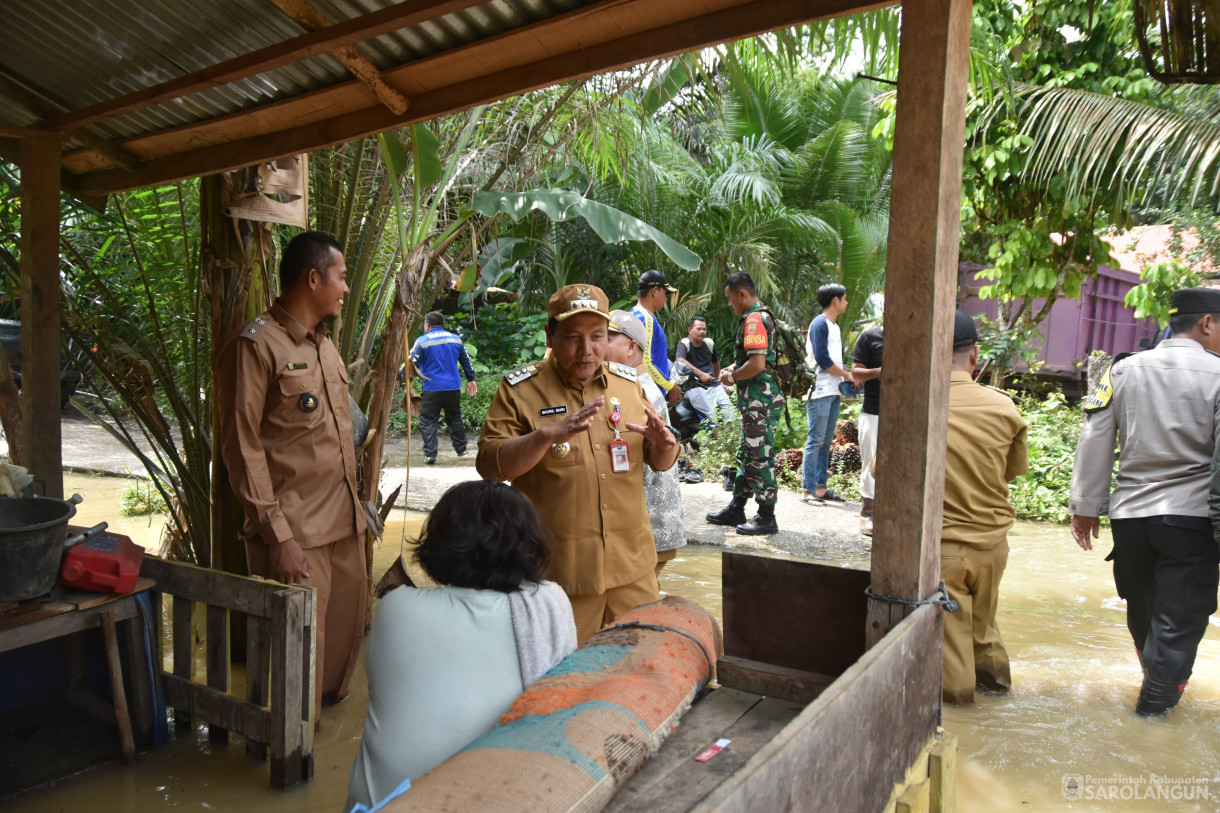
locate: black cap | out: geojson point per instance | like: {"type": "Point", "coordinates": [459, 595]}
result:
{"type": "Point", "coordinates": [964, 331]}
{"type": "Point", "coordinates": [655, 279]}
{"type": "Point", "coordinates": [1194, 300]}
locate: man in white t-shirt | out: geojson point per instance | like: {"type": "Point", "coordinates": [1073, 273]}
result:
{"type": "Point", "coordinates": [824, 350]}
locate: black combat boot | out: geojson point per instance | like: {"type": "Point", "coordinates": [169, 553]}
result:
{"type": "Point", "coordinates": [763, 523]}
{"type": "Point", "coordinates": [733, 514]}
{"type": "Point", "coordinates": [729, 475]}
{"type": "Point", "coordinates": [1158, 697]}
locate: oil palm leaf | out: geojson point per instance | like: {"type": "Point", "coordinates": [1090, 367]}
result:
{"type": "Point", "coordinates": [1098, 143]}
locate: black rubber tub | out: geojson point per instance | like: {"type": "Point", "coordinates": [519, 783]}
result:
{"type": "Point", "coordinates": [32, 535]}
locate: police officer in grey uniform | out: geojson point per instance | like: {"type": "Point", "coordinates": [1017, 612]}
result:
{"type": "Point", "coordinates": [1163, 405]}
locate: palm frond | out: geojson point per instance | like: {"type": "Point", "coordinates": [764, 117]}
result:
{"type": "Point", "coordinates": [1099, 143]}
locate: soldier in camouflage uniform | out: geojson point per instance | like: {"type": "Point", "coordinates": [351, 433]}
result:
{"type": "Point", "coordinates": [760, 402]}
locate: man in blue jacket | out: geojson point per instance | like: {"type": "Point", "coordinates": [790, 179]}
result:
{"type": "Point", "coordinates": [436, 355]}
{"type": "Point", "coordinates": [653, 291]}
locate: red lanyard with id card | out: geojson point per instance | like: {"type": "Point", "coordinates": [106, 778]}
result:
{"type": "Point", "coordinates": [619, 460]}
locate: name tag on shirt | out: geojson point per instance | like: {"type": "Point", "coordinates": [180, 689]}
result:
{"type": "Point", "coordinates": [298, 365]}
{"type": "Point", "coordinates": [554, 410]}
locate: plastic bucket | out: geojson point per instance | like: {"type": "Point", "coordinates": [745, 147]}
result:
{"type": "Point", "coordinates": [32, 535]}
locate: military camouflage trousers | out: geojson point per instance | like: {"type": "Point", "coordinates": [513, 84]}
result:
{"type": "Point", "coordinates": [761, 404]}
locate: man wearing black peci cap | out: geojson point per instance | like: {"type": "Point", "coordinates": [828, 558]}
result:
{"type": "Point", "coordinates": [985, 449]}
{"type": "Point", "coordinates": [1162, 407]}
{"type": "Point", "coordinates": [652, 293]}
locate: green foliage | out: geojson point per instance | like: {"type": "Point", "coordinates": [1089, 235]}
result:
{"type": "Point", "coordinates": [1157, 282]}
{"type": "Point", "coordinates": [474, 410]}
{"type": "Point", "coordinates": [610, 224]}
{"type": "Point", "coordinates": [502, 337]}
{"type": "Point", "coordinates": [141, 499]}
{"type": "Point", "coordinates": [1054, 428]}
{"type": "Point", "coordinates": [846, 484]}
{"type": "Point", "coordinates": [721, 450]}
{"type": "Point", "coordinates": [1000, 346]}
{"type": "Point", "coordinates": [718, 451]}
{"type": "Point", "coordinates": [1040, 231]}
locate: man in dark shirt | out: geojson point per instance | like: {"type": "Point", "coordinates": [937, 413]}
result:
{"type": "Point", "coordinates": [866, 367]}
{"type": "Point", "coordinates": [697, 353]}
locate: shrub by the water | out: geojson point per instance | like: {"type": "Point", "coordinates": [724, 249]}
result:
{"type": "Point", "coordinates": [140, 499]}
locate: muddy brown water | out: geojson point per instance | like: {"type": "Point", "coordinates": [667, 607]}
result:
{"type": "Point", "coordinates": [1067, 727]}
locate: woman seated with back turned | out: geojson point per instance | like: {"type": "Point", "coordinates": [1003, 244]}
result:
{"type": "Point", "coordinates": [445, 663]}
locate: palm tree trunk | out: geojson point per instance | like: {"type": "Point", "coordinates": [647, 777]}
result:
{"type": "Point", "coordinates": [234, 256]}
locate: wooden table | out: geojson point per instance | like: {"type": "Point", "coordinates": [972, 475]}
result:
{"type": "Point", "coordinates": [55, 616]}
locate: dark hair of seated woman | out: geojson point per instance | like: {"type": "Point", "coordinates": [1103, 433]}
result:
{"type": "Point", "coordinates": [485, 536]}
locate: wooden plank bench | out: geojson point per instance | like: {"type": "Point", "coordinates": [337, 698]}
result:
{"type": "Point", "coordinates": [277, 710]}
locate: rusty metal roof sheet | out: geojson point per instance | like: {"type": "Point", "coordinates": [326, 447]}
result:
{"type": "Point", "coordinates": [76, 53]}
{"type": "Point", "coordinates": [140, 92]}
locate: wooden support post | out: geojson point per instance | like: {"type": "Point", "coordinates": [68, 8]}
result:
{"type": "Point", "coordinates": [40, 313]}
{"type": "Point", "coordinates": [218, 661]}
{"type": "Point", "coordinates": [258, 673]}
{"type": "Point", "coordinates": [920, 294]}
{"type": "Point", "coordinates": [118, 693]}
{"type": "Point", "coordinates": [132, 631]}
{"type": "Point", "coordinates": [184, 655]}
{"type": "Point", "coordinates": [289, 689]}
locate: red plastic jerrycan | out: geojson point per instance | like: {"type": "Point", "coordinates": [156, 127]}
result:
{"type": "Point", "coordinates": [105, 563]}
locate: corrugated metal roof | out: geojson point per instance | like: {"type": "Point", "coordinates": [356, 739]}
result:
{"type": "Point", "coordinates": [77, 53]}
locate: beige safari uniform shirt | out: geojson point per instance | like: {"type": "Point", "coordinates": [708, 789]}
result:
{"type": "Point", "coordinates": [286, 432]}
{"type": "Point", "coordinates": [599, 518]}
{"type": "Point", "coordinates": [1165, 415]}
{"type": "Point", "coordinates": [986, 447]}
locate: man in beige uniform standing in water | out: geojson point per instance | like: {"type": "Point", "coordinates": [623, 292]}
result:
{"type": "Point", "coordinates": [573, 432]}
{"type": "Point", "coordinates": [286, 439]}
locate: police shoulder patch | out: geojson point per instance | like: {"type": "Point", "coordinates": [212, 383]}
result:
{"type": "Point", "coordinates": [515, 377]}
{"type": "Point", "coordinates": [1099, 398]}
{"type": "Point", "coordinates": [623, 371]}
{"type": "Point", "coordinates": [253, 330]}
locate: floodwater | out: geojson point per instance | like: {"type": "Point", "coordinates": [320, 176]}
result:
{"type": "Point", "coordinates": [1068, 720]}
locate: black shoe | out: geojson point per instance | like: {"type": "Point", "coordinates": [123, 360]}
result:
{"type": "Point", "coordinates": [693, 475]}
{"type": "Point", "coordinates": [759, 525]}
{"type": "Point", "coordinates": [431, 461]}
{"type": "Point", "coordinates": [1157, 697]}
{"type": "Point", "coordinates": [733, 514]}
{"type": "Point", "coordinates": [730, 475]}
{"type": "Point", "coordinates": [462, 453]}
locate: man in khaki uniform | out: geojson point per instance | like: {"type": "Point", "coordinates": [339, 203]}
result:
{"type": "Point", "coordinates": [286, 439]}
{"type": "Point", "coordinates": [985, 451]}
{"type": "Point", "coordinates": [573, 432]}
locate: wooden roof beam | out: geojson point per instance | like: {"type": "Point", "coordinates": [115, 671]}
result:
{"type": "Point", "coordinates": [313, 43]}
{"type": "Point", "coordinates": [311, 18]}
{"type": "Point", "coordinates": [40, 104]}
{"type": "Point", "coordinates": [729, 23]}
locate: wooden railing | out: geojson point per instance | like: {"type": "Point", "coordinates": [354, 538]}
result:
{"type": "Point", "coordinates": [277, 712]}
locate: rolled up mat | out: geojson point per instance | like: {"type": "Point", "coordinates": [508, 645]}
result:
{"type": "Point", "coordinates": [580, 732]}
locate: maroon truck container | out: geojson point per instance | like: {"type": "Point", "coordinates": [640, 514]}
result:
{"type": "Point", "coordinates": [1098, 320]}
